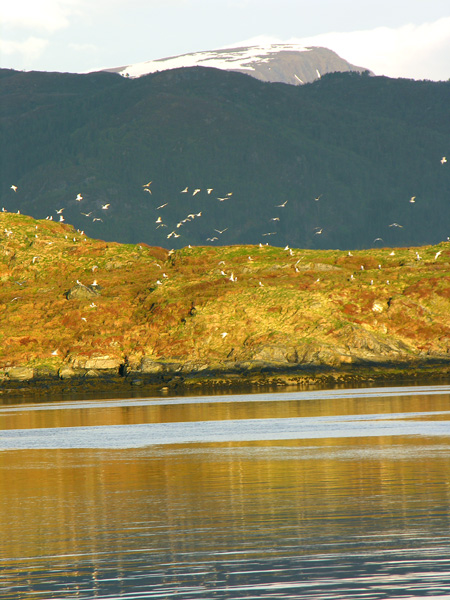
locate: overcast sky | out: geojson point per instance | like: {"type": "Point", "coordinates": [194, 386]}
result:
{"type": "Point", "coordinates": [398, 38]}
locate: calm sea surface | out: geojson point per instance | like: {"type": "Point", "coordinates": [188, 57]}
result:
{"type": "Point", "coordinates": [314, 494]}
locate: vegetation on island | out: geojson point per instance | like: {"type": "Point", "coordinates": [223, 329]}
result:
{"type": "Point", "coordinates": [208, 307]}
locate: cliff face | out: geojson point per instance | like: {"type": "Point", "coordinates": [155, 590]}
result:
{"type": "Point", "coordinates": [72, 305]}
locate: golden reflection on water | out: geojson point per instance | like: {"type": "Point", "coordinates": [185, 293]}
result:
{"type": "Point", "coordinates": [61, 506]}
{"type": "Point", "coordinates": [22, 418]}
{"type": "Point", "coordinates": [77, 501]}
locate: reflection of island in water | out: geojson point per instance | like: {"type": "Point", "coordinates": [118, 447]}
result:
{"type": "Point", "coordinates": [197, 513]}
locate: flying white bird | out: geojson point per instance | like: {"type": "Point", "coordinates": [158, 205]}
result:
{"type": "Point", "coordinates": [162, 206]}
{"type": "Point", "coordinates": [147, 185]}
{"type": "Point", "coordinates": [61, 219]}
{"type": "Point", "coordinates": [395, 225]}
{"type": "Point", "coordinates": [184, 191]}
{"type": "Point", "coordinates": [14, 188]}
{"type": "Point", "coordinates": [220, 231]}
{"type": "Point", "coordinates": [209, 190]}
{"type": "Point", "coordinates": [97, 219]}
{"type": "Point", "coordinates": [158, 220]}
{"type": "Point", "coordinates": [105, 206]}
{"type": "Point", "coordinates": [318, 232]}
{"type": "Point", "coordinates": [281, 205]}
{"type": "Point", "coordinates": [222, 199]}
{"type": "Point", "coordinates": [224, 334]}
{"type": "Point", "coordinates": [443, 160]}
{"type": "Point", "coordinates": [318, 198]}
{"type": "Point", "coordinates": [437, 254]}
{"type": "Point", "coordinates": [58, 212]}
{"type": "Point", "coordinates": [196, 191]}
{"type": "Point", "coordinates": [79, 198]}
{"type": "Point", "coordinates": [275, 219]}
{"type": "Point", "coordinates": [413, 199]}
{"type": "Point", "coordinates": [55, 353]}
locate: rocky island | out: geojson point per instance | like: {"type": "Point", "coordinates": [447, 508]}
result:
{"type": "Point", "coordinates": [84, 314]}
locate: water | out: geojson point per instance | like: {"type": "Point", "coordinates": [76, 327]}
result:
{"type": "Point", "coordinates": [319, 495]}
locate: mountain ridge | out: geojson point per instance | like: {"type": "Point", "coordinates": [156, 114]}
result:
{"type": "Point", "coordinates": [283, 63]}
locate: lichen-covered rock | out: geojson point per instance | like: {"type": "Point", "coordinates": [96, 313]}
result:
{"type": "Point", "coordinates": [66, 372]}
{"type": "Point", "coordinates": [148, 365]}
{"type": "Point", "coordinates": [96, 362]}
{"type": "Point", "coordinates": [21, 373]}
{"type": "Point", "coordinates": [80, 291]}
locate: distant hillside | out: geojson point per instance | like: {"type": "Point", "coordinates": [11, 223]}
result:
{"type": "Point", "coordinates": [332, 164]}
{"type": "Point", "coordinates": [283, 63]}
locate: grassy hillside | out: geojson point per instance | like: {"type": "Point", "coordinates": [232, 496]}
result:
{"type": "Point", "coordinates": [279, 307]}
{"type": "Point", "coordinates": [364, 146]}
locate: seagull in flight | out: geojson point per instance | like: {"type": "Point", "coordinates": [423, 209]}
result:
{"type": "Point", "coordinates": [61, 219]}
{"type": "Point", "coordinates": [209, 190]}
{"type": "Point", "coordinates": [79, 198]}
{"type": "Point", "coordinates": [147, 190]}
{"type": "Point", "coordinates": [196, 191]}
{"type": "Point", "coordinates": [147, 185]}
{"type": "Point", "coordinates": [378, 240]}
{"type": "Point", "coordinates": [162, 206]}
{"type": "Point", "coordinates": [319, 231]}
{"type": "Point", "coordinates": [281, 205]}
{"type": "Point", "coordinates": [97, 219]}
{"type": "Point", "coordinates": [59, 212]}
{"type": "Point", "coordinates": [105, 206]}
{"type": "Point", "coordinates": [221, 231]}
{"type": "Point", "coordinates": [318, 198]}
{"type": "Point", "coordinates": [413, 199]}
{"type": "Point", "coordinates": [275, 219]}
{"type": "Point", "coordinates": [222, 199]}
{"type": "Point", "coordinates": [14, 188]}
{"type": "Point", "coordinates": [184, 191]}
{"type": "Point", "coordinates": [395, 225]}
{"type": "Point", "coordinates": [443, 160]}
{"type": "Point", "coordinates": [158, 220]}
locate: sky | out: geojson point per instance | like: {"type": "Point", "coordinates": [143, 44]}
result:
{"type": "Point", "coordinates": [397, 38]}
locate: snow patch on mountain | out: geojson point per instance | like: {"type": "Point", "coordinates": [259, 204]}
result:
{"type": "Point", "coordinates": [229, 59]}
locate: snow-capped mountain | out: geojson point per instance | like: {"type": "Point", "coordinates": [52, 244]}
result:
{"type": "Point", "coordinates": [286, 63]}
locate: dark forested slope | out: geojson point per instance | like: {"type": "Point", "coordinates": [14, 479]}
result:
{"type": "Point", "coordinates": [333, 164]}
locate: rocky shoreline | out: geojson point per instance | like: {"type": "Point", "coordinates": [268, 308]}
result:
{"type": "Point", "coordinates": [105, 375]}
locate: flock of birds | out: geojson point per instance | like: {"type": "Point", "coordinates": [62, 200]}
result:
{"type": "Point", "coordinates": [175, 230]}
